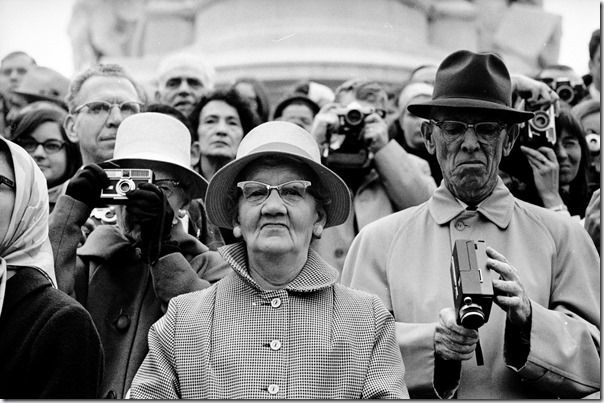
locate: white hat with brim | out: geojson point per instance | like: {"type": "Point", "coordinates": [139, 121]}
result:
{"type": "Point", "coordinates": [280, 139]}
{"type": "Point", "coordinates": [157, 141]}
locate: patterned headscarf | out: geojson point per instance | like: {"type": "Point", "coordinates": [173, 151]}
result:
{"type": "Point", "coordinates": [26, 241]}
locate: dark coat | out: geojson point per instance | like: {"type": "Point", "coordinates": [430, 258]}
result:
{"type": "Point", "coordinates": [119, 290]}
{"type": "Point", "coordinates": [49, 346]}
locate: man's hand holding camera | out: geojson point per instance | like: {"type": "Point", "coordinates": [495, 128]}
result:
{"type": "Point", "coordinates": [510, 294]}
{"type": "Point", "coordinates": [375, 132]}
{"type": "Point", "coordinates": [452, 341]}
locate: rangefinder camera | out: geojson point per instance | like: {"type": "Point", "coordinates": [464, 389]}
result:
{"type": "Point", "coordinates": [122, 181]}
{"type": "Point", "coordinates": [541, 129]}
{"type": "Point", "coordinates": [351, 121]}
{"type": "Point", "coordinates": [471, 282]}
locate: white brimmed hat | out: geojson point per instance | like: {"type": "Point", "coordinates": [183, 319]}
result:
{"type": "Point", "coordinates": [281, 139]}
{"type": "Point", "coordinates": [160, 141]}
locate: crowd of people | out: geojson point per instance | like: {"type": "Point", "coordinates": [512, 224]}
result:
{"type": "Point", "coordinates": [144, 253]}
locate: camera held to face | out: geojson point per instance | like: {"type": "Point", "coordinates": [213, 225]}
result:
{"type": "Point", "coordinates": [541, 129]}
{"type": "Point", "coordinates": [346, 149]}
{"type": "Point", "coordinates": [569, 92]}
{"type": "Point", "coordinates": [122, 181]}
{"type": "Point", "coordinates": [471, 282]}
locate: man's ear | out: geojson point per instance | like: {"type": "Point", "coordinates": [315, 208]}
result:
{"type": "Point", "coordinates": [69, 126]}
{"type": "Point", "coordinates": [511, 134]}
{"type": "Point", "coordinates": [195, 153]}
{"type": "Point", "coordinates": [426, 130]}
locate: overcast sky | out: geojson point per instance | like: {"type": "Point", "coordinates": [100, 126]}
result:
{"type": "Point", "coordinates": [39, 27]}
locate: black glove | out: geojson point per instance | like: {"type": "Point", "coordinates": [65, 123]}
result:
{"type": "Point", "coordinates": [87, 184]}
{"type": "Point", "coordinates": [148, 206]}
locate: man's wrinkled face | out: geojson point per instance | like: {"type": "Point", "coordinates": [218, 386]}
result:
{"type": "Point", "coordinates": [93, 128]}
{"type": "Point", "coordinates": [468, 160]}
{"type": "Point", "coordinates": [181, 88]}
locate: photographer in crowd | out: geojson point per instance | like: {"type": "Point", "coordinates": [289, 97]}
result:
{"type": "Point", "coordinates": [125, 274]}
{"type": "Point", "coordinates": [381, 175]}
{"type": "Point", "coordinates": [541, 339]}
{"type": "Point", "coordinates": [550, 172]}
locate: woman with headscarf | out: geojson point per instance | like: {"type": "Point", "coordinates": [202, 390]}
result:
{"type": "Point", "coordinates": [49, 346]}
{"type": "Point", "coordinates": [278, 326]}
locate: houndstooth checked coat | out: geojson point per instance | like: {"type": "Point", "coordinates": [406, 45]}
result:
{"type": "Point", "coordinates": [314, 339]}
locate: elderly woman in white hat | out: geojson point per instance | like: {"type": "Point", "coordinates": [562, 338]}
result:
{"type": "Point", "coordinates": [278, 326]}
{"type": "Point", "coordinates": [125, 274]}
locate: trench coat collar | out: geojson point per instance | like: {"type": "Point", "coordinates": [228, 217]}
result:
{"type": "Point", "coordinates": [497, 208]}
{"type": "Point", "coordinates": [314, 276]}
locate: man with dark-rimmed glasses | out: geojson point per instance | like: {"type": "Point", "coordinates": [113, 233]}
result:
{"type": "Point", "coordinates": [542, 337]}
{"type": "Point", "coordinates": [98, 100]}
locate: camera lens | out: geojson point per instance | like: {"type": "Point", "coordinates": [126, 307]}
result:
{"type": "Point", "coordinates": [471, 316]}
{"type": "Point", "coordinates": [593, 143]}
{"type": "Point", "coordinates": [124, 186]}
{"type": "Point", "coordinates": [540, 121]}
{"type": "Point", "coordinates": [565, 93]}
{"type": "Point", "coordinates": [354, 117]}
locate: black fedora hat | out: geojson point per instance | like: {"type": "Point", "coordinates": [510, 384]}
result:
{"type": "Point", "coordinates": [472, 80]}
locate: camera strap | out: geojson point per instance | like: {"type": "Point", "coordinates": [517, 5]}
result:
{"type": "Point", "coordinates": [478, 353]}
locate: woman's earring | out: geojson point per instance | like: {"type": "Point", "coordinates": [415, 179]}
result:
{"type": "Point", "coordinates": [317, 231]}
{"type": "Point", "coordinates": [237, 231]}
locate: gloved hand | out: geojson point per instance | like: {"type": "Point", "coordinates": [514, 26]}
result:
{"type": "Point", "coordinates": [148, 206]}
{"type": "Point", "coordinates": [86, 185]}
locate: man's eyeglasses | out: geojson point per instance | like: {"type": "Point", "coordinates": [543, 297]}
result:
{"type": "Point", "coordinates": [482, 129]}
{"type": "Point", "coordinates": [257, 192]}
{"type": "Point", "coordinates": [5, 181]}
{"type": "Point", "coordinates": [102, 108]}
{"type": "Point", "coordinates": [50, 146]}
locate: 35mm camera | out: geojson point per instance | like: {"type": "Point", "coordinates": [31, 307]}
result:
{"type": "Point", "coordinates": [122, 181]}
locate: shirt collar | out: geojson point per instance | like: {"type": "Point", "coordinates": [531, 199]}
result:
{"type": "Point", "coordinates": [314, 276]}
{"type": "Point", "coordinates": [497, 208]}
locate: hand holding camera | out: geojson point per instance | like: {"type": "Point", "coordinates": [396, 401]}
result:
{"type": "Point", "coordinates": [87, 184]}
{"type": "Point", "coordinates": [149, 207]}
{"type": "Point", "coordinates": [510, 294]}
{"type": "Point", "coordinates": [453, 341]}
{"type": "Point", "coordinates": [546, 172]}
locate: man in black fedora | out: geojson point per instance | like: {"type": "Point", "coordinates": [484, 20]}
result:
{"type": "Point", "coordinates": [541, 271]}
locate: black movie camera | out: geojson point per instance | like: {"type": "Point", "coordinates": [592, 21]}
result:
{"type": "Point", "coordinates": [346, 150]}
{"type": "Point", "coordinates": [471, 281]}
{"type": "Point", "coordinates": [541, 129]}
{"type": "Point", "coordinates": [122, 181]}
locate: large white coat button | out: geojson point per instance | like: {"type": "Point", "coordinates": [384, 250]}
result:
{"type": "Point", "coordinates": [276, 302]}
{"type": "Point", "coordinates": [275, 345]}
{"type": "Point", "coordinates": [273, 389]}
{"type": "Point", "coordinates": [459, 225]}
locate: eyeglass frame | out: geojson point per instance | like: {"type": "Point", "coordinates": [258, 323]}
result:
{"type": "Point", "coordinates": [500, 127]}
{"type": "Point", "coordinates": [168, 192]}
{"type": "Point", "coordinates": [43, 144]}
{"type": "Point", "coordinates": [79, 108]}
{"type": "Point", "coordinates": [270, 188]}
